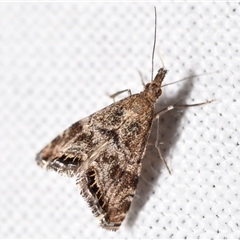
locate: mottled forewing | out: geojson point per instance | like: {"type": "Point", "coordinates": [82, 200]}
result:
{"type": "Point", "coordinates": [68, 151]}
{"type": "Point", "coordinates": [109, 180]}
{"type": "Point", "coordinates": [105, 151]}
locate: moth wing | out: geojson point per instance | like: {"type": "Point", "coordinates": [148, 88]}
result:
{"type": "Point", "coordinates": [80, 142]}
{"type": "Point", "coordinates": [68, 150]}
{"type": "Point", "coordinates": [109, 182]}
{"type": "Point", "coordinates": [105, 151]}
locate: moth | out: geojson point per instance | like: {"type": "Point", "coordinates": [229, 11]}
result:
{"type": "Point", "coordinates": [104, 151]}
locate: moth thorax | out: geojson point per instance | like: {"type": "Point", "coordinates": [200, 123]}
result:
{"type": "Point", "coordinates": [152, 91]}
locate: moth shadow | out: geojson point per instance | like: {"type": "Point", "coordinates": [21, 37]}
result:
{"type": "Point", "coordinates": [152, 164]}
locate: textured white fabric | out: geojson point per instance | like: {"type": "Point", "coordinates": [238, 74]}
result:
{"type": "Point", "coordinates": [58, 62]}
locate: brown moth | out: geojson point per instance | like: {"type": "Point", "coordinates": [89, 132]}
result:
{"type": "Point", "coordinates": [105, 151]}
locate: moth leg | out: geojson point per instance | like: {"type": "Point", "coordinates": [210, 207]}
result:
{"type": "Point", "coordinates": [171, 107]}
{"type": "Point", "coordinates": [158, 143]}
{"type": "Point", "coordinates": [142, 81]}
{"type": "Point", "coordinates": [157, 117]}
{"type": "Point", "coordinates": [120, 92]}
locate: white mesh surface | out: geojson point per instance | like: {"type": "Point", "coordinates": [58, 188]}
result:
{"type": "Point", "coordinates": [58, 61]}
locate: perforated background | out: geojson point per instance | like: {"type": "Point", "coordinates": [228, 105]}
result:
{"type": "Point", "coordinates": [58, 62]}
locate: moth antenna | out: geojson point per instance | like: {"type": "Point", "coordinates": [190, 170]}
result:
{"type": "Point", "coordinates": [154, 41]}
